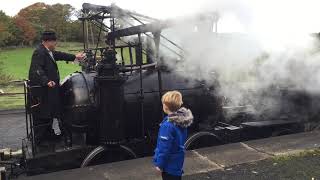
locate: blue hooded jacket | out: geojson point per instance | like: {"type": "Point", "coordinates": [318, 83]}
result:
{"type": "Point", "coordinates": [169, 153]}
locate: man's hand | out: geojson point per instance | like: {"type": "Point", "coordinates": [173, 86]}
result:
{"type": "Point", "coordinates": [80, 56]}
{"type": "Point", "coordinates": [51, 84]}
{"type": "Point", "coordinates": [158, 169]}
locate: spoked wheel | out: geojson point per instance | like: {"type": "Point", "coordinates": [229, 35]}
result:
{"type": "Point", "coordinates": [202, 139]}
{"type": "Point", "coordinates": [106, 154]}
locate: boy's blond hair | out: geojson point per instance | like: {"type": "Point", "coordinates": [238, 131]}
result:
{"type": "Point", "coordinates": [173, 100]}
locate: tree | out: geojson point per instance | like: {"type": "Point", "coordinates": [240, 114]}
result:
{"type": "Point", "coordinates": [60, 17]}
{"type": "Point", "coordinates": [35, 14]}
{"type": "Point", "coordinates": [5, 34]}
{"type": "Point", "coordinates": [28, 31]}
{"type": "Point", "coordinates": [55, 17]}
{"type": "Point", "coordinates": [26, 27]}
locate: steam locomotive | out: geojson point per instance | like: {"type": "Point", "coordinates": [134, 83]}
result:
{"type": "Point", "coordinates": [112, 110]}
{"type": "Point", "coordinates": [142, 112]}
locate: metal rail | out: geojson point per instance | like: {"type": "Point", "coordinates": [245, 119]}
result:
{"type": "Point", "coordinates": [11, 94]}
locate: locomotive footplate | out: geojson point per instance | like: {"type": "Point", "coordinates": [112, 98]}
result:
{"type": "Point", "coordinates": [267, 128]}
{"type": "Point", "coordinates": [51, 157]}
{"type": "Point", "coordinates": [55, 156]}
{"type": "Point", "coordinates": [228, 133]}
{"type": "Point", "coordinates": [269, 123]}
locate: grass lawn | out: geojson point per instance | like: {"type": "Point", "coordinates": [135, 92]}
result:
{"type": "Point", "coordinates": [17, 61]}
{"type": "Point", "coordinates": [12, 101]}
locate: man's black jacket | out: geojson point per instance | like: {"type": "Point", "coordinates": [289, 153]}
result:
{"type": "Point", "coordinates": [43, 69]}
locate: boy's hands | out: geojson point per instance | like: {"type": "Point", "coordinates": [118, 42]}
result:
{"type": "Point", "coordinates": [158, 169]}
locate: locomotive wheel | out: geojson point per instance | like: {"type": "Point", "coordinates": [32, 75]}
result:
{"type": "Point", "coordinates": [202, 139]}
{"type": "Point", "coordinates": [105, 154]}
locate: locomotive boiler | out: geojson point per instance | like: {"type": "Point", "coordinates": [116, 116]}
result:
{"type": "Point", "coordinates": [142, 111]}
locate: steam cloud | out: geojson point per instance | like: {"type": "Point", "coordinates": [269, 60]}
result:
{"type": "Point", "coordinates": [252, 66]}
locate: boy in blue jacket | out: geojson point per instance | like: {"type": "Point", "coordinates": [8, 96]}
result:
{"type": "Point", "coordinates": [169, 153]}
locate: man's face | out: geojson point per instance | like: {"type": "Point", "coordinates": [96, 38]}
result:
{"type": "Point", "coordinates": [51, 45]}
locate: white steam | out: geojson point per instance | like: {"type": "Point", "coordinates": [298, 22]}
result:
{"type": "Point", "coordinates": [273, 47]}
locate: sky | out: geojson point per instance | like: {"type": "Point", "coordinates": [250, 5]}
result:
{"type": "Point", "coordinates": [258, 16]}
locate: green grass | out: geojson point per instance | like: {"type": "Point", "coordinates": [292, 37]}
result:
{"type": "Point", "coordinates": [12, 101]}
{"type": "Point", "coordinates": [17, 61]}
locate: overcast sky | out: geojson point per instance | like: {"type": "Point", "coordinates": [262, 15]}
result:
{"type": "Point", "coordinates": [295, 16]}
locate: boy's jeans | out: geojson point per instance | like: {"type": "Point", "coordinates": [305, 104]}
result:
{"type": "Point", "coordinates": [166, 176]}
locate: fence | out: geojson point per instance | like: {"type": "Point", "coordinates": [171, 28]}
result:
{"type": "Point", "coordinates": [12, 95]}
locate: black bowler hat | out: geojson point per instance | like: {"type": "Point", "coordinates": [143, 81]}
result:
{"type": "Point", "coordinates": [48, 36]}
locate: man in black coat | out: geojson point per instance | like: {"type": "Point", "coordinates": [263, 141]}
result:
{"type": "Point", "coordinates": [44, 77]}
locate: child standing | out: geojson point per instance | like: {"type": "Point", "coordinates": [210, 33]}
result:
{"type": "Point", "coordinates": [169, 153]}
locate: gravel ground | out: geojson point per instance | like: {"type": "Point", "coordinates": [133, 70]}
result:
{"type": "Point", "coordinates": [304, 166]}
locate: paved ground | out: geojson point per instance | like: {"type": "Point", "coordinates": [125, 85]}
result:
{"type": "Point", "coordinates": [272, 158]}
{"type": "Point", "coordinates": [298, 167]}
{"type": "Point", "coordinates": [12, 129]}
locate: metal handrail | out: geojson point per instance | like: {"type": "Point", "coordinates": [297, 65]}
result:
{"type": "Point", "coordinates": [27, 90]}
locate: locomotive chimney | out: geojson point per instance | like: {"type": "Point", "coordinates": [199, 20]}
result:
{"type": "Point", "coordinates": [110, 99]}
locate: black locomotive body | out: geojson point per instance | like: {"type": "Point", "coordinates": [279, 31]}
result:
{"type": "Point", "coordinates": [142, 114]}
